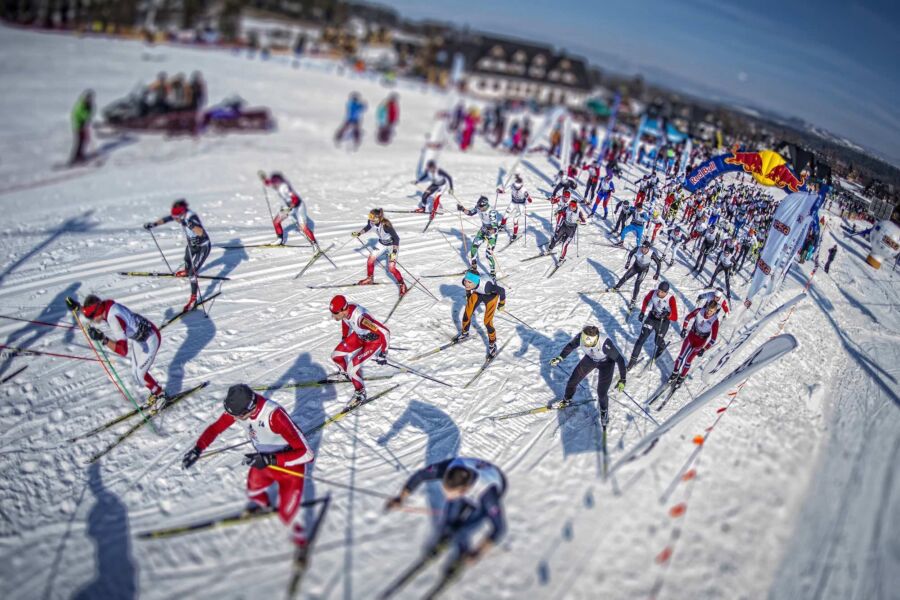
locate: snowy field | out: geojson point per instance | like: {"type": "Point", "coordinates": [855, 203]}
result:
{"type": "Point", "coordinates": [794, 493]}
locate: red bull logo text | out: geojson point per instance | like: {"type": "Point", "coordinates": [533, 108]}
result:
{"type": "Point", "coordinates": [781, 227]}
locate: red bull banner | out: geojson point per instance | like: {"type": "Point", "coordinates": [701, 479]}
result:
{"type": "Point", "coordinates": [767, 167]}
{"type": "Point", "coordinates": [792, 219]}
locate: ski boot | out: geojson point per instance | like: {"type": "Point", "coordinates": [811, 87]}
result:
{"type": "Point", "coordinates": [492, 350]}
{"type": "Point", "coordinates": [631, 363]}
{"type": "Point", "coordinates": [604, 418]}
{"type": "Point", "coordinates": [564, 403]}
{"type": "Point", "coordinates": [157, 400]}
{"type": "Point", "coordinates": [279, 240]}
{"type": "Point", "coordinates": [419, 209]}
{"type": "Point", "coordinates": [403, 289]}
{"type": "Point", "coordinates": [366, 281]}
{"type": "Point", "coordinates": [359, 397]}
{"type": "Point", "coordinates": [181, 273]}
{"type": "Point", "coordinates": [461, 336]}
{"type": "Point", "coordinates": [191, 303]}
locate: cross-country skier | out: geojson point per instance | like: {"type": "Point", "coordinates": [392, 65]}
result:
{"type": "Point", "coordinates": [490, 225]}
{"type": "Point", "coordinates": [708, 243]}
{"type": "Point", "coordinates": [675, 237]}
{"type": "Point", "coordinates": [663, 310]}
{"type": "Point", "coordinates": [593, 178]}
{"type": "Point", "coordinates": [130, 335]}
{"type": "Point", "coordinates": [354, 113]}
{"type": "Point", "coordinates": [745, 244]}
{"type": "Point", "coordinates": [831, 252]}
{"type": "Point", "coordinates": [388, 238]}
{"type": "Point", "coordinates": [605, 190]}
{"type": "Point", "coordinates": [280, 457]}
{"type": "Point", "coordinates": [294, 207]}
{"type": "Point", "coordinates": [643, 255]}
{"type": "Point", "coordinates": [639, 219]}
{"type": "Point", "coordinates": [198, 245]}
{"type": "Point", "coordinates": [626, 211]}
{"type": "Point", "coordinates": [473, 489]}
{"type": "Point", "coordinates": [718, 295]}
{"type": "Point", "coordinates": [439, 181]}
{"type": "Point", "coordinates": [362, 337]}
{"type": "Point", "coordinates": [480, 290]}
{"type": "Point", "coordinates": [518, 197]}
{"type": "Point", "coordinates": [724, 265]}
{"type": "Point", "coordinates": [565, 232]}
{"type": "Point", "coordinates": [699, 331]}
{"type": "Point", "coordinates": [603, 357]}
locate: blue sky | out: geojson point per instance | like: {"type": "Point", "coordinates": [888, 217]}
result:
{"type": "Point", "coordinates": [834, 64]}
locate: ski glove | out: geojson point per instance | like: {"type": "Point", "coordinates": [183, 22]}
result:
{"type": "Point", "coordinates": [381, 358]}
{"type": "Point", "coordinates": [460, 207]}
{"type": "Point", "coordinates": [643, 316]}
{"type": "Point", "coordinates": [355, 234]}
{"type": "Point", "coordinates": [72, 303]}
{"type": "Point", "coordinates": [96, 335]}
{"type": "Point", "coordinates": [702, 351]}
{"type": "Point", "coordinates": [259, 460]}
{"type": "Point", "coordinates": [502, 306]}
{"type": "Point", "coordinates": [368, 337]}
{"type": "Point", "coordinates": [620, 385]}
{"type": "Point", "coordinates": [149, 226]}
{"type": "Point", "coordinates": [684, 333]}
{"type": "Point", "coordinates": [555, 361]}
{"type": "Point", "coordinates": [262, 175]}
{"type": "Point", "coordinates": [190, 457]}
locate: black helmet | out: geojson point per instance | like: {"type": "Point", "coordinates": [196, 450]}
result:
{"type": "Point", "coordinates": [483, 202]}
{"type": "Point", "coordinates": [240, 400]}
{"type": "Point", "coordinates": [646, 243]}
{"type": "Point", "coordinates": [430, 164]}
{"type": "Point", "coordinates": [663, 286]}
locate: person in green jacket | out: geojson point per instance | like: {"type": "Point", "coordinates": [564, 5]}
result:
{"type": "Point", "coordinates": [81, 126]}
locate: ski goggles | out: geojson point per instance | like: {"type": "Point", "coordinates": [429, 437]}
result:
{"type": "Point", "coordinates": [589, 340]}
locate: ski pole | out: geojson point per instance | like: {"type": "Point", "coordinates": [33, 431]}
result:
{"type": "Point", "coordinates": [25, 352]}
{"type": "Point", "coordinates": [505, 312]}
{"type": "Point", "coordinates": [404, 369]}
{"type": "Point", "coordinates": [268, 205]}
{"type": "Point", "coordinates": [368, 492]}
{"type": "Point", "coordinates": [418, 282]}
{"type": "Point", "coordinates": [150, 231]}
{"type": "Point", "coordinates": [60, 325]}
{"type": "Point", "coordinates": [643, 410]}
{"type": "Point", "coordinates": [462, 228]}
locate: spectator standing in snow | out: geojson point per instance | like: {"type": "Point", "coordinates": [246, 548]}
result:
{"type": "Point", "coordinates": [81, 126]}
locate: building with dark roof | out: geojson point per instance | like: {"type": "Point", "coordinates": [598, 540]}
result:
{"type": "Point", "coordinates": [497, 68]}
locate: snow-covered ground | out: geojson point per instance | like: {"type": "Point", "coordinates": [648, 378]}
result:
{"type": "Point", "coordinates": [794, 494]}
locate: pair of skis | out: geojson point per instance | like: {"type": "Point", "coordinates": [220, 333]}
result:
{"type": "Point", "coordinates": [300, 561]}
{"type": "Point", "coordinates": [148, 413]}
{"type": "Point", "coordinates": [190, 310]}
{"type": "Point", "coordinates": [316, 255]}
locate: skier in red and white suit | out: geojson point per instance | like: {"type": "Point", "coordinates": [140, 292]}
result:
{"type": "Point", "coordinates": [279, 444]}
{"type": "Point", "coordinates": [294, 206]}
{"type": "Point", "coordinates": [700, 331]}
{"type": "Point", "coordinates": [130, 335]}
{"type": "Point", "coordinates": [362, 338]}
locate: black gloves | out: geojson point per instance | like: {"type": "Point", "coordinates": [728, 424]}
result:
{"type": "Point", "coordinates": [259, 460]}
{"type": "Point", "coordinates": [96, 335]}
{"type": "Point", "coordinates": [190, 457]}
{"type": "Point", "coordinates": [72, 303]}
{"type": "Point", "coordinates": [149, 226]}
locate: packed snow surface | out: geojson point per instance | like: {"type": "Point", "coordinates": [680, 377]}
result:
{"type": "Point", "coordinates": [795, 494]}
